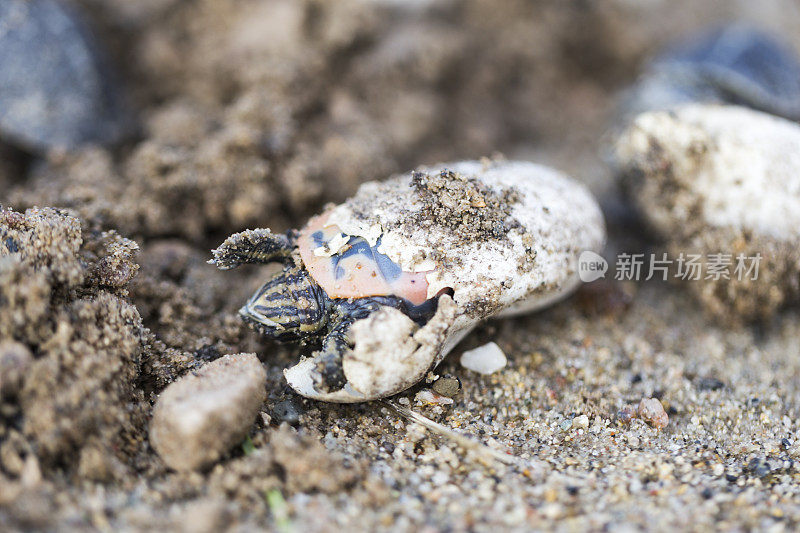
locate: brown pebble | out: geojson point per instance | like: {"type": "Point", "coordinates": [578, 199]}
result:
{"type": "Point", "coordinates": [652, 412]}
{"type": "Point", "coordinates": [447, 386]}
{"type": "Point", "coordinates": [198, 418]}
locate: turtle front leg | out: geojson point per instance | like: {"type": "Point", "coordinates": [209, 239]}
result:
{"type": "Point", "coordinates": [254, 246]}
{"type": "Point", "coordinates": [329, 372]}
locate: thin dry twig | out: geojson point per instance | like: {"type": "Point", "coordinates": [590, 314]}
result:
{"type": "Point", "coordinates": [464, 441]}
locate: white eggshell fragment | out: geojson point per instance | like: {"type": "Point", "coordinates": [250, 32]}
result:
{"type": "Point", "coordinates": [721, 180]}
{"type": "Point", "coordinates": [493, 237]}
{"type": "Point", "coordinates": [486, 359]}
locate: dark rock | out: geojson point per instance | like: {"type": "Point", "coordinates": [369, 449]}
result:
{"type": "Point", "coordinates": [709, 384]}
{"type": "Point", "coordinates": [758, 467]}
{"type": "Point", "coordinates": [626, 414]}
{"type": "Point", "coordinates": [734, 64]}
{"type": "Point", "coordinates": [288, 410]}
{"type": "Point", "coordinates": [55, 89]}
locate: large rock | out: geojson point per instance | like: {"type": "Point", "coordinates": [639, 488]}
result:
{"type": "Point", "coordinates": [721, 180]}
{"type": "Point", "coordinates": [202, 415]}
{"type": "Point", "coordinates": [734, 64]}
{"type": "Point", "coordinates": [55, 88]}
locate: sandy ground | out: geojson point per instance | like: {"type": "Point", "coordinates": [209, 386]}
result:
{"type": "Point", "coordinates": [110, 299]}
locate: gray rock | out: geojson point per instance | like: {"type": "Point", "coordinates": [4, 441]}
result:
{"type": "Point", "coordinates": [202, 415]}
{"type": "Point", "coordinates": [734, 65]}
{"type": "Point", "coordinates": [288, 410]}
{"type": "Point", "coordinates": [447, 386]}
{"type": "Point", "coordinates": [55, 90]}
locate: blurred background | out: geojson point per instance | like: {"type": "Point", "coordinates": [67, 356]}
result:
{"type": "Point", "coordinates": [255, 113]}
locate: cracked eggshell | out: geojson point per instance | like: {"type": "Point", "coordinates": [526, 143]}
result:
{"type": "Point", "coordinates": [721, 179]}
{"type": "Point", "coordinates": [502, 237]}
{"type": "Point", "coordinates": [537, 261]}
{"type": "Point", "coordinates": [390, 354]}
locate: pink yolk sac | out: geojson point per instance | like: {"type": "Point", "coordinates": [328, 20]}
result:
{"type": "Point", "coordinates": [348, 267]}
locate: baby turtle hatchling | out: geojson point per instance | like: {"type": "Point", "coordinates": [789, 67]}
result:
{"type": "Point", "coordinates": [389, 281]}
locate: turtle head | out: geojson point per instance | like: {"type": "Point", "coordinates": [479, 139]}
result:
{"type": "Point", "coordinates": [288, 307]}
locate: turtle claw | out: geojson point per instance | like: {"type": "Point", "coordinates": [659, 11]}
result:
{"type": "Point", "coordinates": [253, 246]}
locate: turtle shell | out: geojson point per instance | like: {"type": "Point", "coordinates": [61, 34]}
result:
{"type": "Point", "coordinates": [348, 266]}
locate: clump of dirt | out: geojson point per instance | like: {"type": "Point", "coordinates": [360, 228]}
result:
{"type": "Point", "coordinates": [464, 205]}
{"type": "Point", "coordinates": [295, 463]}
{"type": "Point", "coordinates": [65, 320]}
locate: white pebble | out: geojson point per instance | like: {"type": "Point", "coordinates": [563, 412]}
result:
{"type": "Point", "coordinates": [427, 396]}
{"type": "Point", "coordinates": [580, 422]}
{"type": "Point", "coordinates": [486, 359]}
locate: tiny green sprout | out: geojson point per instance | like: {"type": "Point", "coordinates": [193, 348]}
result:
{"type": "Point", "coordinates": [279, 510]}
{"type": "Point", "coordinates": [247, 446]}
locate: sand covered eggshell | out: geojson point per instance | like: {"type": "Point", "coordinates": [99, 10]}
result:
{"type": "Point", "coordinates": [725, 180]}
{"type": "Point", "coordinates": [488, 238]}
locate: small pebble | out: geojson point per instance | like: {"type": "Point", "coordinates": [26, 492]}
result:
{"type": "Point", "coordinates": [758, 467]}
{"type": "Point", "coordinates": [288, 410]}
{"type": "Point", "coordinates": [580, 422]}
{"type": "Point", "coordinates": [709, 384]}
{"type": "Point", "coordinates": [447, 386]}
{"type": "Point", "coordinates": [203, 414]}
{"type": "Point", "coordinates": [626, 414]}
{"type": "Point", "coordinates": [652, 412]}
{"type": "Point", "coordinates": [486, 359]}
{"type": "Point", "coordinates": [15, 358]}
{"type": "Point", "coordinates": [427, 396]}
